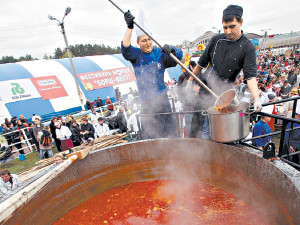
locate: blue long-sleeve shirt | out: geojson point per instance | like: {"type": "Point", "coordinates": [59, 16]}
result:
{"type": "Point", "coordinates": [149, 69]}
{"type": "Point", "coordinates": [261, 128]}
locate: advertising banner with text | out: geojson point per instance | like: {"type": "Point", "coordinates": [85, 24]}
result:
{"type": "Point", "coordinates": [106, 78]}
{"type": "Point", "coordinates": [49, 87]}
{"type": "Point", "coordinates": [17, 90]}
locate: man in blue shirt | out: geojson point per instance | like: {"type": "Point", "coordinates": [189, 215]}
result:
{"type": "Point", "coordinates": [262, 128]}
{"type": "Point", "coordinates": [149, 64]}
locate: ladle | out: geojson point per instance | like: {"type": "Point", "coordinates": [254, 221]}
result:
{"type": "Point", "coordinates": [226, 102]}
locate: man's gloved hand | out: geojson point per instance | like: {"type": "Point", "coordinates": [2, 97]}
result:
{"type": "Point", "coordinates": [167, 49]}
{"type": "Point", "coordinates": [257, 105]}
{"type": "Point", "coordinates": [129, 19]}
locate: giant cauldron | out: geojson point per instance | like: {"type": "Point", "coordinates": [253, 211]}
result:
{"type": "Point", "coordinates": [271, 188]}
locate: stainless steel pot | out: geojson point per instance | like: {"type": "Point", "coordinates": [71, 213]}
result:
{"type": "Point", "coordinates": [229, 127]}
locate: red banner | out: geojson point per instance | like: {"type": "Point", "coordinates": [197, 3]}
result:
{"type": "Point", "coordinates": [49, 87]}
{"type": "Point", "coordinates": [106, 78]}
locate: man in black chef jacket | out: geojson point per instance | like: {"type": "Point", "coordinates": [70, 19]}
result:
{"type": "Point", "coordinates": [226, 55]}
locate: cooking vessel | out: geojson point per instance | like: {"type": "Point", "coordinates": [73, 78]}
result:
{"type": "Point", "coordinates": [270, 188]}
{"type": "Point", "coordinates": [232, 103]}
{"type": "Point", "coordinates": [229, 127]}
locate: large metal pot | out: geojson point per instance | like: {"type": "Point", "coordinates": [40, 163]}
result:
{"type": "Point", "coordinates": [229, 127]}
{"type": "Point", "coordinates": [273, 189]}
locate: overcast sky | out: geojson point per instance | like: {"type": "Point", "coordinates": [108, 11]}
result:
{"type": "Point", "coordinates": [26, 29]}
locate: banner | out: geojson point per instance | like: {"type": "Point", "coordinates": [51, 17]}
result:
{"type": "Point", "coordinates": [106, 78]}
{"type": "Point", "coordinates": [17, 90]}
{"type": "Point", "coordinates": [49, 87]}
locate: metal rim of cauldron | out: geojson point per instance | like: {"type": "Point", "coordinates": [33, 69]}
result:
{"type": "Point", "coordinates": [153, 151]}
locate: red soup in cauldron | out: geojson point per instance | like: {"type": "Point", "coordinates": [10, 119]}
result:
{"type": "Point", "coordinates": [164, 202]}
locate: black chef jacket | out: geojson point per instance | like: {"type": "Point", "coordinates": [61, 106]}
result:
{"type": "Point", "coordinates": [226, 58]}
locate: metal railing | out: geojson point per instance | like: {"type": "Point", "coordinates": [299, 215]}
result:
{"type": "Point", "coordinates": [25, 138]}
{"type": "Point", "coordinates": [282, 153]}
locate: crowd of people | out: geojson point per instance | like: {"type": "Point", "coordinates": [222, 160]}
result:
{"type": "Point", "coordinates": [64, 132]}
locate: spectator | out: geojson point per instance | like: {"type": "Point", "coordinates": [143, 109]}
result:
{"type": "Point", "coordinates": [92, 105]}
{"type": "Point", "coordinates": [292, 78]}
{"type": "Point", "coordinates": [272, 98]}
{"type": "Point", "coordinates": [63, 133]}
{"type": "Point", "coordinates": [33, 141]}
{"type": "Point", "coordinates": [118, 94]}
{"type": "Point", "coordinates": [263, 95]}
{"type": "Point", "coordinates": [6, 122]}
{"type": "Point", "coordinates": [262, 128]}
{"type": "Point", "coordinates": [87, 129]}
{"type": "Point", "coordinates": [69, 120]}
{"type": "Point", "coordinates": [121, 122]}
{"type": "Point", "coordinates": [45, 140]}
{"type": "Point", "coordinates": [285, 90]}
{"type": "Point", "coordinates": [38, 126]}
{"type": "Point", "coordinates": [5, 129]}
{"type": "Point", "coordinates": [277, 90]}
{"type": "Point", "coordinates": [23, 119]}
{"type": "Point", "coordinates": [88, 104]}
{"type": "Point", "coordinates": [94, 117]}
{"type": "Point", "coordinates": [61, 120]}
{"type": "Point", "coordinates": [14, 121]}
{"type": "Point", "coordinates": [8, 183]}
{"type": "Point", "coordinates": [75, 130]}
{"type": "Point", "coordinates": [288, 106]}
{"type": "Point", "coordinates": [21, 126]}
{"type": "Point", "coordinates": [109, 104]}
{"type": "Point", "coordinates": [101, 128]}
{"type": "Point", "coordinates": [99, 102]}
{"type": "Point", "coordinates": [125, 109]}
{"type": "Point", "coordinates": [58, 159]}
{"type": "Point", "coordinates": [16, 138]}
{"type": "Point", "coordinates": [293, 138]}
{"type": "Point", "coordinates": [53, 133]}
{"type": "Point", "coordinates": [34, 117]}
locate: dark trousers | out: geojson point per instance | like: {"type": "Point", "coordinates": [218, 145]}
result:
{"type": "Point", "coordinates": [158, 126]}
{"type": "Point", "coordinates": [58, 144]}
{"type": "Point", "coordinates": [19, 145]}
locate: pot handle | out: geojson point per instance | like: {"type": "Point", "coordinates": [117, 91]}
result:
{"type": "Point", "coordinates": [249, 112]}
{"type": "Point", "coordinates": [204, 113]}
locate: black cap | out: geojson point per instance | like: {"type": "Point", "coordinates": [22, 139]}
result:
{"type": "Point", "coordinates": [233, 10]}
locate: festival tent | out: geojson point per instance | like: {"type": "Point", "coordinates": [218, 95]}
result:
{"type": "Point", "coordinates": [47, 87]}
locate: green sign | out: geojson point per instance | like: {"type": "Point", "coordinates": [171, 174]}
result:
{"type": "Point", "coordinates": [17, 89]}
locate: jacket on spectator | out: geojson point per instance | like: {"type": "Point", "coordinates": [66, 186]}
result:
{"type": "Point", "coordinates": [8, 187]}
{"type": "Point", "coordinates": [75, 134]}
{"type": "Point", "coordinates": [121, 122]}
{"type": "Point", "coordinates": [99, 103]}
{"type": "Point", "coordinates": [39, 140]}
{"type": "Point", "coordinates": [14, 135]}
{"type": "Point", "coordinates": [8, 137]}
{"type": "Point", "coordinates": [109, 104]}
{"type": "Point", "coordinates": [63, 133]}
{"type": "Point", "coordinates": [89, 127]}
{"type": "Point", "coordinates": [88, 104]}
{"type": "Point", "coordinates": [94, 118]}
{"type": "Point", "coordinates": [52, 129]}
{"type": "Point", "coordinates": [101, 129]}
{"type": "Point", "coordinates": [36, 129]}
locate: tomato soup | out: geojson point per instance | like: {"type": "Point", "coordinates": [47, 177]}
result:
{"type": "Point", "coordinates": [164, 202]}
